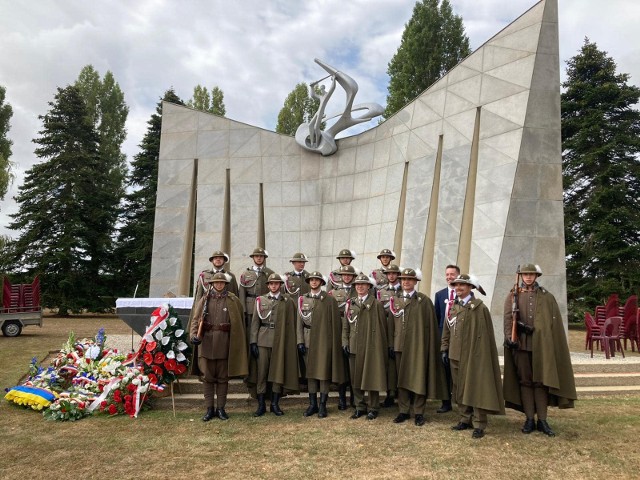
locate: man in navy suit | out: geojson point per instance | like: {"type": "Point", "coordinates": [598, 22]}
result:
{"type": "Point", "coordinates": [443, 302]}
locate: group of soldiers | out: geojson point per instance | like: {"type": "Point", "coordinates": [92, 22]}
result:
{"type": "Point", "coordinates": [375, 333]}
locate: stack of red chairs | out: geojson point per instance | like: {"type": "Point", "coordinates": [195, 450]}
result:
{"type": "Point", "coordinates": [623, 327]}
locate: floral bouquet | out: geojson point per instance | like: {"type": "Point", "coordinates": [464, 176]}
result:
{"type": "Point", "coordinates": [124, 394]}
{"type": "Point", "coordinates": [68, 406]}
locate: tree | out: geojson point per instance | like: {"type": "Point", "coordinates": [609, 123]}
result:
{"type": "Point", "coordinates": [298, 108]}
{"type": "Point", "coordinates": [6, 175]}
{"type": "Point", "coordinates": [135, 240]}
{"type": "Point", "coordinates": [433, 42]}
{"type": "Point", "coordinates": [212, 103]}
{"type": "Point", "coordinates": [601, 176]}
{"type": "Point", "coordinates": [62, 214]}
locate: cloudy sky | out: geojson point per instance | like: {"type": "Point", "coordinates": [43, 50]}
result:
{"type": "Point", "coordinates": [255, 51]}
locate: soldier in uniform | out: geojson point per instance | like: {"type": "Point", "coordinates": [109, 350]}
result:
{"type": "Point", "coordinates": [443, 302]}
{"type": "Point", "coordinates": [319, 336]}
{"type": "Point", "coordinates": [218, 260]}
{"type": "Point", "coordinates": [273, 347]}
{"type": "Point", "coordinates": [345, 257]}
{"type": "Point", "coordinates": [414, 336]}
{"type": "Point", "coordinates": [342, 292]}
{"type": "Point", "coordinates": [364, 340]}
{"type": "Point", "coordinates": [384, 294]}
{"type": "Point", "coordinates": [253, 283]}
{"type": "Point", "coordinates": [385, 256]}
{"type": "Point", "coordinates": [469, 346]}
{"type": "Point", "coordinates": [219, 343]}
{"type": "Point", "coordinates": [537, 365]}
{"type": "Point", "coordinates": [295, 283]}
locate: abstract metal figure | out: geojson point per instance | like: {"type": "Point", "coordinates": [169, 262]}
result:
{"type": "Point", "coordinates": [309, 134]}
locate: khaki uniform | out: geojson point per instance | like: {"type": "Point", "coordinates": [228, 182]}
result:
{"type": "Point", "coordinates": [253, 283]}
{"type": "Point", "coordinates": [380, 277]}
{"type": "Point", "coordinates": [295, 284]}
{"type": "Point", "coordinates": [384, 295]}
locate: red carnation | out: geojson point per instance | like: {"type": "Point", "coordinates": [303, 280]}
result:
{"type": "Point", "coordinates": [148, 358]}
{"type": "Point", "coordinates": [131, 387]}
{"type": "Point", "coordinates": [117, 396]}
{"type": "Point", "coordinates": [112, 409]}
{"type": "Point", "coordinates": [103, 405]}
{"type": "Point", "coordinates": [128, 398]}
{"type": "Point", "coordinates": [158, 358]}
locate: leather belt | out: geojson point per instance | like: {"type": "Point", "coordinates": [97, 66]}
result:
{"type": "Point", "coordinates": [270, 325]}
{"type": "Point", "coordinates": [223, 327]}
{"type": "Point", "coordinates": [251, 295]}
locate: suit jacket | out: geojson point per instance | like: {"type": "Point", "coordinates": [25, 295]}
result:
{"type": "Point", "coordinates": [441, 306]}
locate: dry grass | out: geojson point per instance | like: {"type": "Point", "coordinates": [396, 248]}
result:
{"type": "Point", "coordinates": [592, 439]}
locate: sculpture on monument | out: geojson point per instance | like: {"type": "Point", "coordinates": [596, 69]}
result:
{"type": "Point", "coordinates": [309, 134]}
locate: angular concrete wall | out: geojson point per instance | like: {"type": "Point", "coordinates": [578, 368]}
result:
{"type": "Point", "coordinates": [497, 116]}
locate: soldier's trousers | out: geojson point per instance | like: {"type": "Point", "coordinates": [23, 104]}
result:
{"type": "Point", "coordinates": [468, 414]}
{"type": "Point", "coordinates": [404, 395]}
{"type": "Point", "coordinates": [534, 395]}
{"type": "Point", "coordinates": [264, 361]}
{"type": "Point", "coordinates": [215, 374]}
{"type": "Point", "coordinates": [316, 386]}
{"type": "Point", "coordinates": [358, 394]}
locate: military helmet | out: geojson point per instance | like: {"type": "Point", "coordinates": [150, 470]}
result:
{"type": "Point", "coordinates": [216, 277]}
{"type": "Point", "coordinates": [410, 273]}
{"type": "Point", "coordinates": [530, 268]}
{"type": "Point", "coordinates": [363, 278]}
{"type": "Point", "coordinates": [219, 253]}
{"type": "Point", "coordinates": [274, 277]}
{"type": "Point", "coordinates": [316, 274]}
{"type": "Point", "coordinates": [260, 251]}
{"type": "Point", "coordinates": [346, 253]}
{"type": "Point", "coordinates": [299, 257]}
{"type": "Point", "coordinates": [347, 270]}
{"type": "Point", "coordinates": [468, 280]}
{"type": "Point", "coordinates": [392, 268]}
{"type": "Point", "coordinates": [387, 252]}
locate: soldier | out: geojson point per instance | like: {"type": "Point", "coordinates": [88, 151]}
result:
{"type": "Point", "coordinates": [319, 334]}
{"type": "Point", "coordinates": [537, 363]}
{"type": "Point", "coordinates": [384, 294]}
{"type": "Point", "coordinates": [345, 257]}
{"type": "Point", "coordinates": [253, 283]}
{"type": "Point", "coordinates": [414, 338]}
{"type": "Point", "coordinates": [295, 281]}
{"type": "Point", "coordinates": [219, 343]}
{"type": "Point", "coordinates": [218, 259]}
{"type": "Point", "coordinates": [443, 302]}
{"type": "Point", "coordinates": [364, 340]}
{"type": "Point", "coordinates": [469, 346]}
{"type": "Point", "coordinates": [273, 347]}
{"type": "Point", "coordinates": [385, 256]}
{"type": "Point", "coordinates": [343, 292]}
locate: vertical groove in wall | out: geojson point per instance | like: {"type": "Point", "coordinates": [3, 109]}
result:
{"type": "Point", "coordinates": [466, 229]}
{"type": "Point", "coordinates": [186, 261]}
{"type": "Point", "coordinates": [430, 238]}
{"type": "Point", "coordinates": [225, 242]}
{"type": "Point", "coordinates": [261, 233]}
{"type": "Point", "coordinates": [397, 239]}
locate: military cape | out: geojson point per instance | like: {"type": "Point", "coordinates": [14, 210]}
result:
{"type": "Point", "coordinates": [324, 358]}
{"type": "Point", "coordinates": [551, 360]}
{"type": "Point", "coordinates": [370, 372]}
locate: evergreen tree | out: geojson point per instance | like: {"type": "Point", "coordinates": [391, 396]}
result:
{"type": "Point", "coordinates": [62, 208]}
{"type": "Point", "coordinates": [135, 241]}
{"type": "Point", "coordinates": [433, 42]}
{"type": "Point", "coordinates": [212, 103]}
{"type": "Point", "coordinates": [298, 108]}
{"type": "Point", "coordinates": [601, 170]}
{"type": "Point", "coordinates": [6, 175]}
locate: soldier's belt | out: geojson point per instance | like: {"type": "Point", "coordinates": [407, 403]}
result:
{"type": "Point", "coordinates": [265, 324]}
{"type": "Point", "coordinates": [251, 295]}
{"type": "Point", "coordinates": [223, 327]}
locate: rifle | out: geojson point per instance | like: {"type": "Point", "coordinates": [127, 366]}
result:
{"type": "Point", "coordinates": [514, 308]}
{"type": "Point", "coordinates": [205, 312]}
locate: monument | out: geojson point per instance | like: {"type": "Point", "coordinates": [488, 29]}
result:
{"type": "Point", "coordinates": [468, 173]}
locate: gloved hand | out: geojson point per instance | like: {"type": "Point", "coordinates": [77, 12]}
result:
{"type": "Point", "coordinates": [511, 345]}
{"type": "Point", "coordinates": [254, 350]}
{"type": "Point", "coordinates": [302, 349]}
{"type": "Point", "coordinates": [524, 328]}
{"type": "Point", "coordinates": [445, 358]}
{"type": "Point", "coordinates": [195, 340]}
{"type": "Point", "coordinates": [345, 350]}
{"type": "Point", "coordinates": [392, 353]}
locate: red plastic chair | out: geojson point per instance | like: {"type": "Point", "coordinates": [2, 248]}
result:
{"type": "Point", "coordinates": [630, 322]}
{"type": "Point", "coordinates": [592, 329]}
{"type": "Point", "coordinates": [610, 337]}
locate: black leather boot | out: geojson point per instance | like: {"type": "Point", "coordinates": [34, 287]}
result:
{"type": "Point", "coordinates": [222, 415]}
{"type": "Point", "coordinates": [342, 397]}
{"type": "Point", "coordinates": [313, 405]}
{"type": "Point", "coordinates": [211, 413]}
{"type": "Point", "coordinates": [322, 411]}
{"type": "Point", "coordinates": [262, 409]}
{"type": "Point", "coordinates": [275, 408]}
{"type": "Point", "coordinates": [388, 401]}
{"type": "Point", "coordinates": [529, 426]}
{"type": "Point", "coordinates": [544, 427]}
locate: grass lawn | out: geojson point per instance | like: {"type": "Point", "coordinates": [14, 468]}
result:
{"type": "Point", "coordinates": [599, 437]}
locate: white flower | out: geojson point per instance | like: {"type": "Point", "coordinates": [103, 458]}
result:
{"type": "Point", "coordinates": [158, 335]}
{"type": "Point", "coordinates": [143, 388]}
{"type": "Point", "coordinates": [93, 352]}
{"type": "Point", "coordinates": [136, 381]}
{"type": "Point", "coordinates": [172, 321]}
{"type": "Point", "coordinates": [182, 346]}
{"type": "Point", "coordinates": [179, 332]}
{"type": "Point", "coordinates": [180, 357]}
{"type": "Point", "coordinates": [171, 354]}
{"type": "Point", "coordinates": [163, 325]}
{"type": "Point", "coordinates": [166, 339]}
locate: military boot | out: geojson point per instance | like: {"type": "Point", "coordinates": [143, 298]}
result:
{"type": "Point", "coordinates": [313, 405]}
{"type": "Point", "coordinates": [529, 426]}
{"type": "Point", "coordinates": [342, 397]}
{"type": "Point", "coordinates": [262, 409]}
{"type": "Point", "coordinates": [275, 408]}
{"type": "Point", "coordinates": [388, 401]}
{"type": "Point", "coordinates": [544, 427]}
{"type": "Point", "coordinates": [211, 413]}
{"type": "Point", "coordinates": [322, 411]}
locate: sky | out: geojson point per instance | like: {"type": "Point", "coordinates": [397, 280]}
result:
{"type": "Point", "coordinates": [256, 51]}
